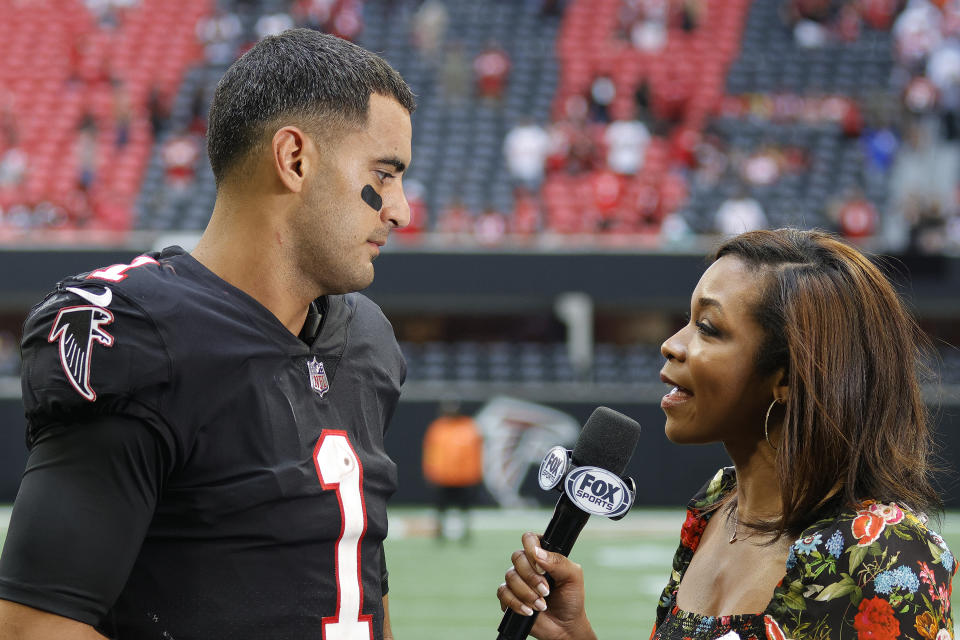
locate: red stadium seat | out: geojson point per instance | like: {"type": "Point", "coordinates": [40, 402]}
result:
{"type": "Point", "coordinates": [59, 64]}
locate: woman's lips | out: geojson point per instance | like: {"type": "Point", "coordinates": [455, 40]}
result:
{"type": "Point", "coordinates": [676, 396]}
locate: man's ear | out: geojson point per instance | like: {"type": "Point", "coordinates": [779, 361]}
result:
{"type": "Point", "coordinates": [290, 156]}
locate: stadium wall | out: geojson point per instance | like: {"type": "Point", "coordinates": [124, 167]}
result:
{"type": "Point", "coordinates": [666, 474]}
{"type": "Point", "coordinates": [461, 279]}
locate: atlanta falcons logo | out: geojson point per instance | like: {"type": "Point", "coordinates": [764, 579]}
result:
{"type": "Point", "coordinates": [77, 328]}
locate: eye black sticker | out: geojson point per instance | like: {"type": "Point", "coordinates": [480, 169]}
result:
{"type": "Point", "coordinates": [372, 198]}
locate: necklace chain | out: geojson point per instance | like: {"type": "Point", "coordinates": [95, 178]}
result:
{"type": "Point", "coordinates": [736, 523]}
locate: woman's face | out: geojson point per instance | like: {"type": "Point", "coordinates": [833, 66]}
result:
{"type": "Point", "coordinates": [715, 393]}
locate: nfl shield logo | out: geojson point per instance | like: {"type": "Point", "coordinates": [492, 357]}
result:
{"type": "Point", "coordinates": [318, 377]}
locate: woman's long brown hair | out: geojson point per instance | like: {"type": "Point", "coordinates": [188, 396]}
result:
{"type": "Point", "coordinates": [856, 426]}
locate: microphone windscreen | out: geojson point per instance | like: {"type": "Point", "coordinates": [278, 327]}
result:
{"type": "Point", "coordinates": [607, 441]}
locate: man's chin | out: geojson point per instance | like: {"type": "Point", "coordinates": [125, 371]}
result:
{"type": "Point", "coordinates": [359, 282]}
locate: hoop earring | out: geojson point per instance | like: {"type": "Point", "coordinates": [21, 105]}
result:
{"type": "Point", "coordinates": [766, 428]}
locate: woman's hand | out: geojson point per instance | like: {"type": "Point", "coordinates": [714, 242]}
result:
{"type": "Point", "coordinates": [525, 590]}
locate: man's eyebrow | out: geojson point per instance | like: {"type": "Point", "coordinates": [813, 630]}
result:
{"type": "Point", "coordinates": [398, 164]}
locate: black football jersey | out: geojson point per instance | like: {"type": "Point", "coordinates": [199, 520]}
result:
{"type": "Point", "coordinates": [271, 511]}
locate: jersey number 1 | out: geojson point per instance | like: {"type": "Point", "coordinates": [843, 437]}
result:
{"type": "Point", "coordinates": [340, 470]}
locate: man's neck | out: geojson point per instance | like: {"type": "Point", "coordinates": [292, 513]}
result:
{"type": "Point", "coordinates": [253, 259]}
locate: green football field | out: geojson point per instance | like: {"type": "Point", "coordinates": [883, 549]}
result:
{"type": "Point", "coordinates": [442, 591]}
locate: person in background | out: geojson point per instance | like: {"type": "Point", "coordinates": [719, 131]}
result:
{"type": "Point", "coordinates": [453, 464]}
{"type": "Point", "coordinates": [801, 359]}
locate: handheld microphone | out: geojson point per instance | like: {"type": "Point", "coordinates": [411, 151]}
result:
{"type": "Point", "coordinates": [593, 486]}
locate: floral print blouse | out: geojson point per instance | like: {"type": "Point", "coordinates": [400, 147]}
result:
{"type": "Point", "coordinates": [876, 573]}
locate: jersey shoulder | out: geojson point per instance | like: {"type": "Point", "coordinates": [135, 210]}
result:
{"type": "Point", "coordinates": [92, 345]}
{"type": "Point", "coordinates": [370, 334]}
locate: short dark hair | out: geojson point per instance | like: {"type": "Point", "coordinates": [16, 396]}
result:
{"type": "Point", "coordinates": [853, 355]}
{"type": "Point", "coordinates": [313, 78]}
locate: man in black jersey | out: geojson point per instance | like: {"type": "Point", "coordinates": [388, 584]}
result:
{"type": "Point", "coordinates": [206, 430]}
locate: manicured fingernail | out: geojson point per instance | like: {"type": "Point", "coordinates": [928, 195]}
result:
{"type": "Point", "coordinates": [540, 553]}
{"type": "Point", "coordinates": [540, 604]}
{"type": "Point", "coordinates": [543, 589]}
{"type": "Point", "coordinates": [527, 611]}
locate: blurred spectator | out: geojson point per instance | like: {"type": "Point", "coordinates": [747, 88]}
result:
{"type": "Point", "coordinates": [924, 169]}
{"type": "Point", "coordinates": [9, 132]}
{"type": "Point", "coordinates": [13, 168]}
{"type": "Point", "coordinates": [347, 21]}
{"type": "Point", "coordinates": [159, 109]}
{"type": "Point", "coordinates": [18, 216]}
{"type": "Point", "coordinates": [675, 233]}
{"type": "Point", "coordinates": [626, 142]}
{"type": "Point", "coordinates": [844, 112]}
{"type": "Point", "coordinates": [809, 34]}
{"type": "Point", "coordinates": [220, 34]}
{"type": "Point", "coordinates": [854, 215]}
{"type": "Point", "coordinates": [9, 354]}
{"type": "Point", "coordinates": [928, 226]}
{"type": "Point", "coordinates": [953, 234]}
{"type": "Point", "coordinates": [456, 220]}
{"type": "Point", "coordinates": [526, 147]}
{"type": "Point", "coordinates": [943, 69]}
{"type": "Point", "coordinates": [814, 10]}
{"type": "Point", "coordinates": [646, 205]}
{"type": "Point", "coordinates": [122, 114]}
{"type": "Point", "coordinates": [415, 193]}
{"type": "Point", "coordinates": [490, 69]}
{"type": "Point", "coordinates": [455, 74]}
{"type": "Point", "coordinates": [738, 214]}
{"type": "Point", "coordinates": [847, 26]}
{"type": "Point", "coordinates": [109, 13]}
{"type": "Point", "coordinates": [879, 14]}
{"type": "Point", "coordinates": [198, 111]}
{"type": "Point", "coordinates": [762, 167]}
{"type": "Point", "coordinates": [428, 28]}
{"type": "Point", "coordinates": [880, 148]}
{"type": "Point", "coordinates": [644, 23]}
{"type": "Point", "coordinates": [526, 219]}
{"type": "Point", "coordinates": [180, 153]}
{"type": "Point", "coordinates": [920, 96]}
{"type": "Point", "coordinates": [691, 14]}
{"type": "Point", "coordinates": [85, 153]}
{"type": "Point", "coordinates": [490, 227]}
{"type": "Point", "coordinates": [916, 31]}
{"type": "Point", "coordinates": [683, 147]}
{"type": "Point", "coordinates": [312, 14]}
{"type": "Point", "coordinates": [49, 215]}
{"type": "Point", "coordinates": [582, 155]}
{"type": "Point", "coordinates": [602, 93]}
{"type": "Point", "coordinates": [272, 23]}
{"type": "Point", "coordinates": [710, 161]}
{"type": "Point", "coordinates": [551, 8]}
{"type": "Point", "coordinates": [572, 148]}
{"type": "Point", "coordinates": [606, 189]}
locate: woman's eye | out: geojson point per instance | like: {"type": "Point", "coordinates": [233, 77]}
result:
{"type": "Point", "coordinates": [707, 329]}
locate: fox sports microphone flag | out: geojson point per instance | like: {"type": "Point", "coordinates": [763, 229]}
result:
{"type": "Point", "coordinates": [607, 441]}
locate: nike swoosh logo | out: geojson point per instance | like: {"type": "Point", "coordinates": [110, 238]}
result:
{"type": "Point", "coordinates": [99, 300]}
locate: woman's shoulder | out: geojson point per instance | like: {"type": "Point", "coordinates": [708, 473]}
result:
{"type": "Point", "coordinates": [871, 560]}
{"type": "Point", "coordinates": [873, 529]}
{"type": "Point", "coordinates": [715, 489]}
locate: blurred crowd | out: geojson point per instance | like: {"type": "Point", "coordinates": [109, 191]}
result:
{"type": "Point", "coordinates": [599, 145]}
